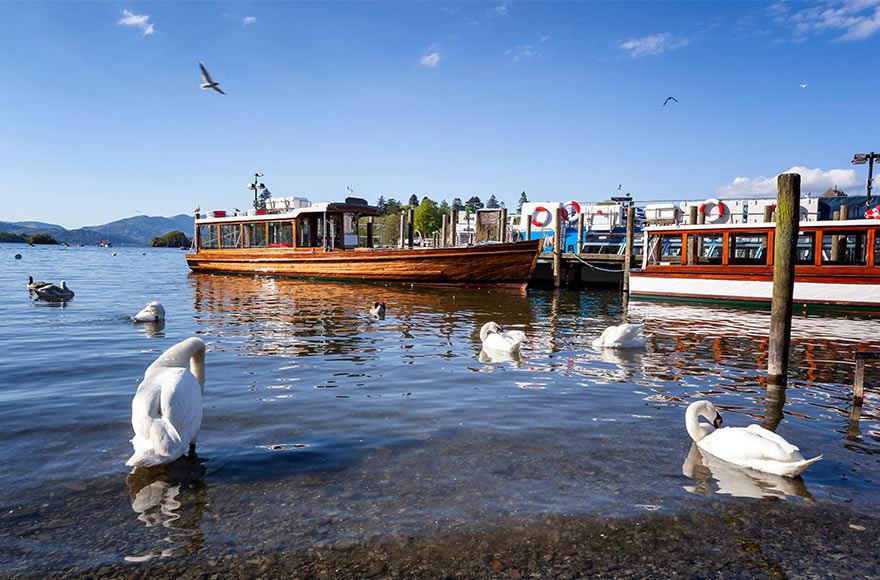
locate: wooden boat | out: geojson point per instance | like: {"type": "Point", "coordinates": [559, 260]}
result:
{"type": "Point", "coordinates": [293, 243]}
{"type": "Point", "coordinates": [838, 264]}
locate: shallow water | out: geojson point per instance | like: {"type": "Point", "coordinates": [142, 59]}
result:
{"type": "Point", "coordinates": [323, 425]}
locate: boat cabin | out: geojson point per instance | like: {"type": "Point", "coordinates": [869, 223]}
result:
{"type": "Point", "coordinates": [321, 227]}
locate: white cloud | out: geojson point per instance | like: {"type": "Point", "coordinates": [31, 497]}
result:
{"type": "Point", "coordinates": [248, 20]}
{"type": "Point", "coordinates": [850, 20]}
{"type": "Point", "coordinates": [501, 9]}
{"type": "Point", "coordinates": [518, 53]}
{"type": "Point", "coordinates": [141, 21]}
{"type": "Point", "coordinates": [431, 59]}
{"type": "Point", "coordinates": [814, 181]}
{"type": "Point", "coordinates": [652, 44]}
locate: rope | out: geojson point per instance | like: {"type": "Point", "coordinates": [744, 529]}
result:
{"type": "Point", "coordinates": [578, 258]}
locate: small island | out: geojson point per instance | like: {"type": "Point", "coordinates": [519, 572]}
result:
{"type": "Point", "coordinates": [13, 238]}
{"type": "Point", "coordinates": [172, 239]}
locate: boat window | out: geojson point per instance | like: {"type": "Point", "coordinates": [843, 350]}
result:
{"type": "Point", "coordinates": [877, 247]}
{"type": "Point", "coordinates": [806, 248]}
{"type": "Point", "coordinates": [230, 236]}
{"type": "Point", "coordinates": [844, 248]}
{"type": "Point", "coordinates": [664, 249]}
{"type": "Point", "coordinates": [255, 235]}
{"type": "Point", "coordinates": [705, 248]}
{"type": "Point", "coordinates": [748, 248]}
{"type": "Point", "coordinates": [303, 227]}
{"type": "Point", "coordinates": [281, 234]}
{"type": "Point", "coordinates": [208, 237]}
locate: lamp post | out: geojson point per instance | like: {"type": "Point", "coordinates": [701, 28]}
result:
{"type": "Point", "coordinates": [861, 159]}
{"type": "Point", "coordinates": [256, 186]}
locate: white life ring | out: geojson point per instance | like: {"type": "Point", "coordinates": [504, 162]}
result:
{"type": "Point", "coordinates": [545, 219]}
{"type": "Point", "coordinates": [873, 213]}
{"type": "Point", "coordinates": [571, 210]}
{"type": "Point", "coordinates": [713, 209]}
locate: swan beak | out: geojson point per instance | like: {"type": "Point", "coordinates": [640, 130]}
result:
{"type": "Point", "coordinates": [718, 421]}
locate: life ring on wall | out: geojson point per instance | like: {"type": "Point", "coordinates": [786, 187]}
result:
{"type": "Point", "coordinates": [709, 206]}
{"type": "Point", "coordinates": [547, 217]}
{"type": "Point", "coordinates": [571, 210]}
{"type": "Point", "coordinates": [873, 213]}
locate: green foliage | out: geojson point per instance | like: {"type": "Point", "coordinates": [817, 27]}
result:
{"type": "Point", "coordinates": [173, 239]}
{"type": "Point", "coordinates": [392, 206]}
{"type": "Point", "coordinates": [41, 239]}
{"type": "Point", "coordinates": [473, 204]}
{"type": "Point", "coordinates": [427, 217]}
{"type": "Point", "coordinates": [9, 237]}
{"type": "Point", "coordinates": [261, 201]}
{"type": "Point", "coordinates": [492, 203]}
{"type": "Point", "coordinates": [523, 198]}
{"type": "Point", "coordinates": [444, 208]}
{"type": "Point", "coordinates": [456, 204]}
{"type": "Point", "coordinates": [413, 200]}
{"type": "Point", "coordinates": [381, 203]}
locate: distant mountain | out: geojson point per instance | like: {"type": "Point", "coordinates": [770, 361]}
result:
{"type": "Point", "coordinates": [133, 231]}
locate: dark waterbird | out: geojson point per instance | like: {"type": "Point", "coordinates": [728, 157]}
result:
{"type": "Point", "coordinates": [669, 99]}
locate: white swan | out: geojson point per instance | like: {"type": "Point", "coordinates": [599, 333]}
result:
{"type": "Point", "coordinates": [152, 312]}
{"type": "Point", "coordinates": [753, 446]}
{"type": "Point", "coordinates": [496, 339]}
{"type": "Point", "coordinates": [54, 293]}
{"type": "Point", "coordinates": [623, 336]}
{"type": "Point", "coordinates": [166, 412]}
{"type": "Point", "coordinates": [378, 309]}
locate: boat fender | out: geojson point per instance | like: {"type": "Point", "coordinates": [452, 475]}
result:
{"type": "Point", "coordinates": [707, 206]}
{"type": "Point", "coordinates": [571, 210]}
{"type": "Point", "coordinates": [541, 217]}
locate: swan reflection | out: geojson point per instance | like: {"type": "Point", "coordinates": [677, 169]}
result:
{"type": "Point", "coordinates": [488, 356]}
{"type": "Point", "coordinates": [173, 497]}
{"type": "Point", "coordinates": [153, 329]}
{"type": "Point", "coordinates": [714, 475]}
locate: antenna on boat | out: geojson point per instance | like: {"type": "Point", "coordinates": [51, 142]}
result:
{"type": "Point", "coordinates": [861, 159]}
{"type": "Point", "coordinates": [256, 186]}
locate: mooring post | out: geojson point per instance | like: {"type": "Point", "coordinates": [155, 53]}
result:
{"type": "Point", "coordinates": [768, 213]}
{"type": "Point", "coordinates": [370, 232]}
{"type": "Point", "coordinates": [628, 247]}
{"type": "Point", "coordinates": [859, 381]}
{"type": "Point", "coordinates": [410, 227]}
{"type": "Point", "coordinates": [528, 219]}
{"type": "Point", "coordinates": [692, 215]}
{"type": "Point", "coordinates": [701, 217]}
{"type": "Point", "coordinates": [444, 231]}
{"type": "Point", "coordinates": [835, 240]}
{"type": "Point", "coordinates": [453, 228]}
{"type": "Point", "coordinates": [580, 247]}
{"type": "Point", "coordinates": [788, 202]}
{"type": "Point", "coordinates": [502, 227]}
{"type": "Point", "coordinates": [402, 229]}
{"type": "Point", "coordinates": [557, 249]}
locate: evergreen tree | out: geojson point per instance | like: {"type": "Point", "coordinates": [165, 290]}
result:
{"type": "Point", "coordinates": [473, 204]}
{"type": "Point", "coordinates": [413, 200]}
{"type": "Point", "coordinates": [457, 205]}
{"type": "Point", "coordinates": [264, 197]}
{"type": "Point", "coordinates": [427, 217]}
{"type": "Point", "coordinates": [523, 198]}
{"type": "Point", "coordinates": [392, 206]}
{"type": "Point", "coordinates": [492, 203]}
{"type": "Point", "coordinates": [444, 208]}
{"type": "Point", "coordinates": [381, 203]}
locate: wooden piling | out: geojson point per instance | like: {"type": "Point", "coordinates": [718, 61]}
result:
{"type": "Point", "coordinates": [502, 227]}
{"type": "Point", "coordinates": [788, 202]}
{"type": "Point", "coordinates": [402, 242]}
{"type": "Point", "coordinates": [528, 219]}
{"type": "Point", "coordinates": [580, 247]}
{"type": "Point", "coordinates": [692, 217]}
{"type": "Point", "coordinates": [835, 240]}
{"type": "Point", "coordinates": [453, 228]}
{"type": "Point", "coordinates": [370, 232]}
{"type": "Point", "coordinates": [859, 381]}
{"type": "Point", "coordinates": [410, 227]}
{"type": "Point", "coordinates": [557, 248]}
{"type": "Point", "coordinates": [628, 247]}
{"type": "Point", "coordinates": [444, 231]}
{"type": "Point", "coordinates": [768, 213]}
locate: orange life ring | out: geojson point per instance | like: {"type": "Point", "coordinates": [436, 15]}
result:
{"type": "Point", "coordinates": [572, 213]}
{"type": "Point", "coordinates": [547, 217]}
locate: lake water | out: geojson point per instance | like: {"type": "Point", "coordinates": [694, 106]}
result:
{"type": "Point", "coordinates": [326, 428]}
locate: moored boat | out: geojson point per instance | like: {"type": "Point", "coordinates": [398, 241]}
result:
{"type": "Point", "coordinates": [321, 241]}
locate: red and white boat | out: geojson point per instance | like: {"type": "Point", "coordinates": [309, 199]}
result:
{"type": "Point", "coordinates": [838, 263]}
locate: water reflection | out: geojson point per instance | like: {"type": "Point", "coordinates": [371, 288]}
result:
{"type": "Point", "coordinates": [495, 356]}
{"type": "Point", "coordinates": [152, 329]}
{"type": "Point", "coordinates": [714, 475]}
{"type": "Point", "coordinates": [172, 497]}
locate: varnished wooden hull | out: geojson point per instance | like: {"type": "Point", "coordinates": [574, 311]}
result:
{"type": "Point", "coordinates": [484, 265]}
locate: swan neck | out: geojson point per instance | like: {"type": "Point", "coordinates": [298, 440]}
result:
{"type": "Point", "coordinates": [190, 352]}
{"type": "Point", "coordinates": [692, 420]}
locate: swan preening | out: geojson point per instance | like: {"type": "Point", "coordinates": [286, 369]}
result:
{"type": "Point", "coordinates": [378, 309]}
{"type": "Point", "coordinates": [497, 339]}
{"type": "Point", "coordinates": [752, 447]}
{"type": "Point", "coordinates": [51, 292]}
{"type": "Point", "coordinates": [166, 412]}
{"type": "Point", "coordinates": [32, 286]}
{"type": "Point", "coordinates": [152, 312]}
{"type": "Point", "coordinates": [623, 336]}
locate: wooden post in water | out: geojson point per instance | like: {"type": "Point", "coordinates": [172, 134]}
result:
{"type": "Point", "coordinates": [402, 229]}
{"type": "Point", "coordinates": [444, 231]}
{"type": "Point", "coordinates": [528, 219]}
{"type": "Point", "coordinates": [410, 227]}
{"type": "Point", "coordinates": [370, 232]}
{"type": "Point", "coordinates": [580, 247]}
{"type": "Point", "coordinates": [628, 248]}
{"type": "Point", "coordinates": [788, 203]}
{"type": "Point", "coordinates": [768, 213]}
{"type": "Point", "coordinates": [859, 381]}
{"type": "Point", "coordinates": [453, 228]}
{"type": "Point", "coordinates": [835, 240]}
{"type": "Point", "coordinates": [502, 227]}
{"type": "Point", "coordinates": [557, 249]}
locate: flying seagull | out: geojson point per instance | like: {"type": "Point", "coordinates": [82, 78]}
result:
{"type": "Point", "coordinates": [209, 82]}
{"type": "Point", "coordinates": [803, 85]}
{"type": "Point", "coordinates": [669, 99]}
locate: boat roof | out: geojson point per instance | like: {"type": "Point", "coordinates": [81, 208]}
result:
{"type": "Point", "coordinates": [830, 224]}
{"type": "Point", "coordinates": [335, 207]}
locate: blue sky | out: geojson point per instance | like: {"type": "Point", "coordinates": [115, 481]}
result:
{"type": "Point", "coordinates": [101, 116]}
